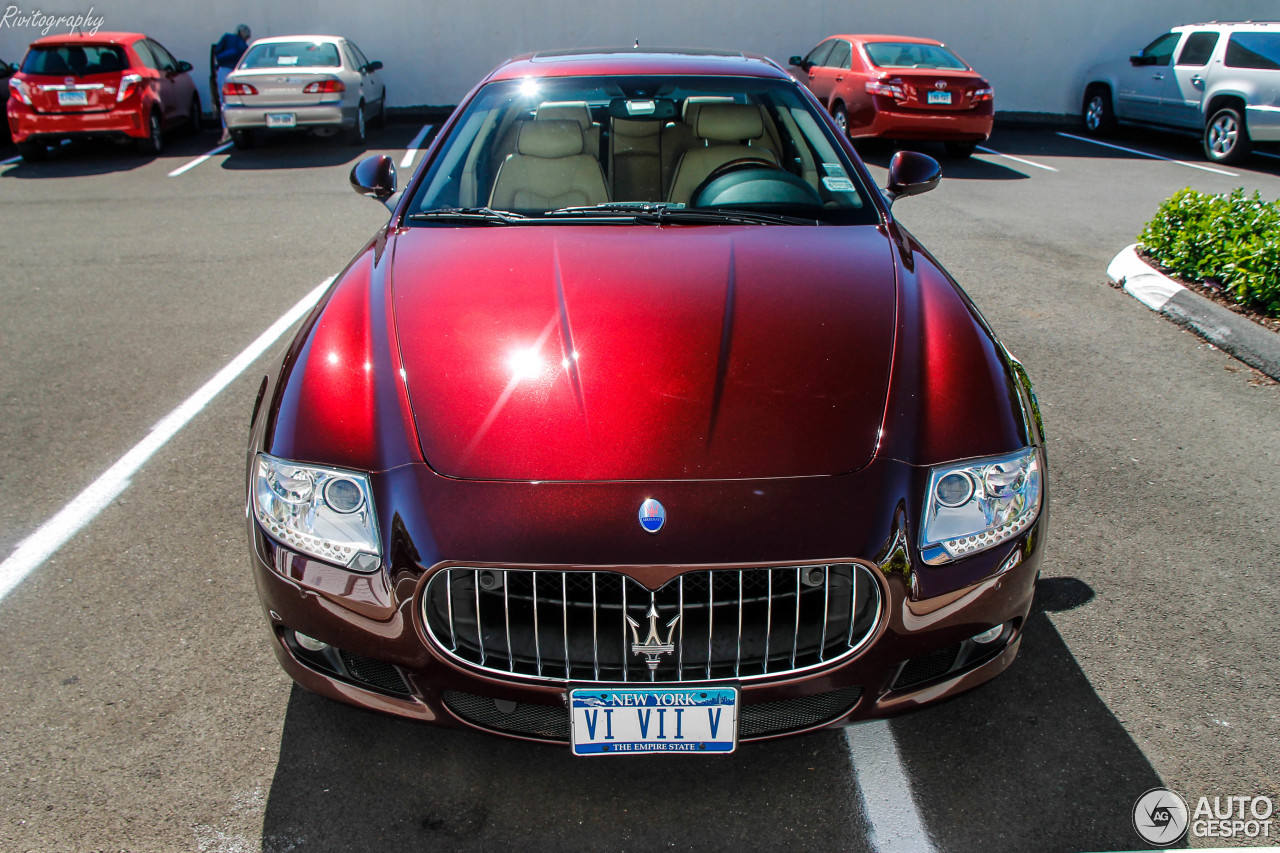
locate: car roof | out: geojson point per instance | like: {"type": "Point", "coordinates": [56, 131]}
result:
{"type": "Point", "coordinates": [100, 37]}
{"type": "Point", "coordinates": [1228, 25]}
{"type": "Point", "coordinates": [279, 39]}
{"type": "Point", "coordinates": [577, 62]}
{"type": "Point", "coordinates": [872, 38]}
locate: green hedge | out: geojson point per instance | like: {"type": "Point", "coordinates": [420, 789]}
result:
{"type": "Point", "coordinates": [1233, 240]}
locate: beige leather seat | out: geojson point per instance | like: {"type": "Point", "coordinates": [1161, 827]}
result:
{"type": "Point", "coordinates": [679, 136]}
{"type": "Point", "coordinates": [549, 170]}
{"type": "Point", "coordinates": [635, 160]}
{"type": "Point", "coordinates": [573, 111]}
{"type": "Point", "coordinates": [730, 132]}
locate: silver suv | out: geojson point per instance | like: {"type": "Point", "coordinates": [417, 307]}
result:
{"type": "Point", "coordinates": [1218, 80]}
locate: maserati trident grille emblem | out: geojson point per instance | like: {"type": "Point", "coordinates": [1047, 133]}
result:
{"type": "Point", "coordinates": [652, 516]}
{"type": "Point", "coordinates": [653, 648]}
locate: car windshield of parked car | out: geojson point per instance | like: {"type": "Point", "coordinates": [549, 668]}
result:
{"type": "Point", "coordinates": [292, 54]}
{"type": "Point", "coordinates": [74, 60]}
{"type": "Point", "coordinates": [892, 54]}
{"type": "Point", "coordinates": [1254, 50]}
{"type": "Point", "coordinates": [681, 148]}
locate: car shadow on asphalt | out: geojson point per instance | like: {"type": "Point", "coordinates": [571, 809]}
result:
{"type": "Point", "coordinates": [301, 151]}
{"type": "Point", "coordinates": [1032, 760]}
{"type": "Point", "coordinates": [79, 159]}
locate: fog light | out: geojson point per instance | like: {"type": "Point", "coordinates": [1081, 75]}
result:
{"type": "Point", "coordinates": [989, 636]}
{"type": "Point", "coordinates": [814, 576]}
{"type": "Point", "coordinates": [311, 644]}
{"type": "Point", "coordinates": [490, 581]}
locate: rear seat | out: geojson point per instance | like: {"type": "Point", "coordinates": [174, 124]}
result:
{"type": "Point", "coordinates": [635, 160]}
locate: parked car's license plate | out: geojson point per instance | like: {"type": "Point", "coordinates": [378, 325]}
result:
{"type": "Point", "coordinates": [73, 99]}
{"type": "Point", "coordinates": [939, 98]}
{"type": "Point", "coordinates": [625, 721]}
{"type": "Point", "coordinates": [282, 120]}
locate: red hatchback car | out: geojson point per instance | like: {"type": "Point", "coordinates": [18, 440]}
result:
{"type": "Point", "coordinates": [109, 85]}
{"type": "Point", "coordinates": [643, 426]}
{"type": "Point", "coordinates": [899, 87]}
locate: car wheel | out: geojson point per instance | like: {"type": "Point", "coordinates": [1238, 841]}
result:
{"type": "Point", "coordinates": [32, 151]}
{"type": "Point", "coordinates": [195, 122]}
{"type": "Point", "coordinates": [1226, 139]}
{"type": "Point", "coordinates": [355, 136]}
{"type": "Point", "coordinates": [242, 139]}
{"type": "Point", "coordinates": [153, 142]}
{"type": "Point", "coordinates": [841, 116]}
{"type": "Point", "coordinates": [1099, 118]}
{"type": "Point", "coordinates": [960, 150]}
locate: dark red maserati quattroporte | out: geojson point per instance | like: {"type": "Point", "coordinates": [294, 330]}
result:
{"type": "Point", "coordinates": [642, 426]}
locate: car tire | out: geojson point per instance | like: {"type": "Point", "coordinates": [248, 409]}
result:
{"type": "Point", "coordinates": [841, 115]}
{"type": "Point", "coordinates": [1096, 112]}
{"type": "Point", "coordinates": [1226, 138]}
{"type": "Point", "coordinates": [960, 150]}
{"type": "Point", "coordinates": [33, 151]}
{"type": "Point", "coordinates": [356, 134]}
{"type": "Point", "coordinates": [153, 142]}
{"type": "Point", "coordinates": [195, 122]}
{"type": "Point", "coordinates": [242, 139]}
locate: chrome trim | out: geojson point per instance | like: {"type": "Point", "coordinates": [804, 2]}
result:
{"type": "Point", "coordinates": [711, 616]}
{"type": "Point", "coordinates": [506, 621]}
{"type": "Point", "coordinates": [795, 636]}
{"type": "Point", "coordinates": [737, 660]}
{"type": "Point", "coordinates": [826, 610]}
{"type": "Point", "coordinates": [595, 641]}
{"type": "Point", "coordinates": [873, 620]}
{"type": "Point", "coordinates": [537, 640]}
{"type": "Point", "coordinates": [453, 635]}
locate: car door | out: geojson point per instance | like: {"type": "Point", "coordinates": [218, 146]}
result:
{"type": "Point", "coordinates": [370, 82]}
{"type": "Point", "coordinates": [1140, 84]}
{"type": "Point", "coordinates": [822, 78]}
{"type": "Point", "coordinates": [172, 100]}
{"type": "Point", "coordinates": [813, 62]}
{"type": "Point", "coordinates": [1184, 88]}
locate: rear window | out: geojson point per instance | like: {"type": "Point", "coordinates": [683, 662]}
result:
{"type": "Point", "coordinates": [887, 54]}
{"type": "Point", "coordinates": [292, 54]}
{"type": "Point", "coordinates": [74, 60]}
{"type": "Point", "coordinates": [1254, 50]}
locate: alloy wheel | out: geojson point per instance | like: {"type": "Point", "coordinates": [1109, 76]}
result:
{"type": "Point", "coordinates": [1223, 134]}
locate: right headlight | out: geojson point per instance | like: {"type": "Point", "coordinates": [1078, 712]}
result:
{"type": "Point", "coordinates": [976, 505]}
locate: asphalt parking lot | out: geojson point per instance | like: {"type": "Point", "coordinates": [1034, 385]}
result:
{"type": "Point", "coordinates": [141, 708]}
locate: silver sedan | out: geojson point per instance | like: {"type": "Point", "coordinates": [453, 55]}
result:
{"type": "Point", "coordinates": [319, 83]}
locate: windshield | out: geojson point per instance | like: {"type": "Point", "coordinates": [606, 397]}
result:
{"type": "Point", "coordinates": [886, 54]}
{"type": "Point", "coordinates": [681, 148]}
{"type": "Point", "coordinates": [289, 54]}
{"type": "Point", "coordinates": [74, 60]}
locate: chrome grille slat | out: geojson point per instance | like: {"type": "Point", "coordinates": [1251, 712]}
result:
{"type": "Point", "coordinates": [712, 624]}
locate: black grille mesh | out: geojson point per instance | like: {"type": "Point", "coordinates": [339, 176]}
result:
{"type": "Point", "coordinates": [375, 673]}
{"type": "Point", "coordinates": [551, 722]}
{"type": "Point", "coordinates": [927, 667]}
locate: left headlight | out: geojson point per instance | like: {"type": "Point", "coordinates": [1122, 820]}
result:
{"type": "Point", "coordinates": [325, 513]}
{"type": "Point", "coordinates": [976, 505]}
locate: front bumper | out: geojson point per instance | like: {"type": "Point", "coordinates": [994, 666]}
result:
{"type": "Point", "coordinates": [310, 116]}
{"type": "Point", "coordinates": [920, 651]}
{"type": "Point", "coordinates": [25, 124]}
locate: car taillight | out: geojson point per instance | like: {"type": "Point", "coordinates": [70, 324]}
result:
{"type": "Point", "coordinates": [129, 84]}
{"type": "Point", "coordinates": [890, 89]}
{"type": "Point", "coordinates": [235, 89]}
{"type": "Point", "coordinates": [324, 87]}
{"type": "Point", "coordinates": [983, 94]}
{"type": "Point", "coordinates": [19, 90]}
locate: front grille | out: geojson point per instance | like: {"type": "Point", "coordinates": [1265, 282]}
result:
{"type": "Point", "coordinates": [551, 722]}
{"type": "Point", "coordinates": [927, 667]}
{"type": "Point", "coordinates": [598, 626]}
{"type": "Point", "coordinates": [375, 673]}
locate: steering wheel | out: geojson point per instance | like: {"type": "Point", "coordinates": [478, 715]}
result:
{"type": "Point", "coordinates": [737, 165]}
{"type": "Point", "coordinates": [753, 182]}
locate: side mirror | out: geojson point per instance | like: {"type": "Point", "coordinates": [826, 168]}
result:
{"type": "Point", "coordinates": [797, 61]}
{"type": "Point", "coordinates": [1139, 59]}
{"type": "Point", "coordinates": [911, 173]}
{"type": "Point", "coordinates": [183, 65]}
{"type": "Point", "coordinates": [375, 177]}
{"type": "Point", "coordinates": [374, 66]}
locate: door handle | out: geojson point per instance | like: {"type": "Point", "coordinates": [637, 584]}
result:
{"type": "Point", "coordinates": [1197, 81]}
{"type": "Point", "coordinates": [841, 77]}
{"type": "Point", "coordinates": [1157, 76]}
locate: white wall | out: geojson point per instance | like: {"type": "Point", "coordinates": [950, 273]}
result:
{"type": "Point", "coordinates": [1034, 51]}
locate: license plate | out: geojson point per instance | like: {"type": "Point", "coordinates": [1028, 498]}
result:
{"type": "Point", "coordinates": [627, 721]}
{"type": "Point", "coordinates": [73, 99]}
{"type": "Point", "coordinates": [282, 120]}
{"type": "Point", "coordinates": [939, 98]}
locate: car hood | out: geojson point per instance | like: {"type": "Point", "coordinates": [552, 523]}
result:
{"type": "Point", "coordinates": [581, 352]}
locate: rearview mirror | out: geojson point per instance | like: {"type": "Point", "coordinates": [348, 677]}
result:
{"type": "Point", "coordinates": [374, 177]}
{"type": "Point", "coordinates": [911, 173]}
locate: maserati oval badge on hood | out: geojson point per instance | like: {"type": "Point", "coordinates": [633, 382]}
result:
{"type": "Point", "coordinates": [652, 516]}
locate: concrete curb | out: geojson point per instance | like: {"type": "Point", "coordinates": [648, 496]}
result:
{"type": "Point", "coordinates": [1228, 331]}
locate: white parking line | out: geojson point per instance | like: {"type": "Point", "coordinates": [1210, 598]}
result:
{"type": "Point", "coordinates": [1017, 159]}
{"type": "Point", "coordinates": [886, 792]}
{"type": "Point", "coordinates": [412, 152]}
{"type": "Point", "coordinates": [1259, 153]}
{"type": "Point", "coordinates": [86, 506]}
{"type": "Point", "coordinates": [10, 160]}
{"type": "Point", "coordinates": [1152, 156]}
{"type": "Point", "coordinates": [196, 162]}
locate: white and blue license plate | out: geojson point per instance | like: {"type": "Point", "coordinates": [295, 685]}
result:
{"type": "Point", "coordinates": [939, 97]}
{"type": "Point", "coordinates": [632, 720]}
{"type": "Point", "coordinates": [282, 120]}
{"type": "Point", "coordinates": [73, 99]}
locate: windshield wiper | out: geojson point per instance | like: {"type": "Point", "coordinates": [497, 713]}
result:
{"type": "Point", "coordinates": [469, 214]}
{"type": "Point", "coordinates": [660, 213]}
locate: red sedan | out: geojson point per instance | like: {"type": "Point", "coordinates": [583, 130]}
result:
{"type": "Point", "coordinates": [643, 426]}
{"type": "Point", "coordinates": [107, 85]}
{"type": "Point", "coordinates": [899, 87]}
